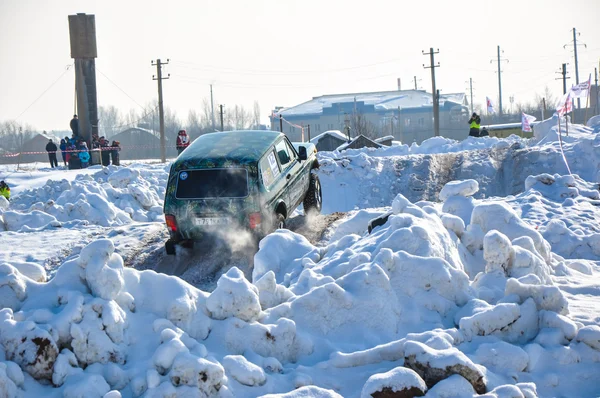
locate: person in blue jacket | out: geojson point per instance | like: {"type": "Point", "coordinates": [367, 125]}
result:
{"type": "Point", "coordinates": [63, 150]}
{"type": "Point", "coordinates": [84, 155]}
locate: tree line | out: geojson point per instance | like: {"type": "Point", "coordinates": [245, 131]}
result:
{"type": "Point", "coordinates": [112, 121]}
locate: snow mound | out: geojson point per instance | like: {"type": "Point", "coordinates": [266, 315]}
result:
{"type": "Point", "coordinates": [397, 381]}
{"type": "Point", "coordinates": [113, 196]}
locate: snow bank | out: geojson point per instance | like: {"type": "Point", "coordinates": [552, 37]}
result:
{"type": "Point", "coordinates": [112, 196]}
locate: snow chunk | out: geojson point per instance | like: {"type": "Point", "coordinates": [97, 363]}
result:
{"type": "Point", "coordinates": [24, 222]}
{"type": "Point", "coordinates": [281, 252]}
{"type": "Point", "coordinates": [435, 365]}
{"type": "Point", "coordinates": [459, 188]}
{"type": "Point", "coordinates": [501, 357]}
{"type": "Point", "coordinates": [501, 217]}
{"type": "Point", "coordinates": [397, 381]}
{"type": "Point", "coordinates": [8, 388]}
{"type": "Point", "coordinates": [234, 296]}
{"type": "Point", "coordinates": [103, 268]}
{"type": "Point", "coordinates": [497, 251]}
{"type": "Point", "coordinates": [270, 293]}
{"type": "Point", "coordinates": [489, 320]}
{"type": "Point", "coordinates": [86, 386]}
{"type": "Point", "coordinates": [189, 370]}
{"type": "Point", "coordinates": [590, 335]}
{"type": "Point", "coordinates": [244, 371]}
{"type": "Point", "coordinates": [306, 392]}
{"type": "Point", "coordinates": [548, 298]}
{"type": "Point", "coordinates": [30, 346]}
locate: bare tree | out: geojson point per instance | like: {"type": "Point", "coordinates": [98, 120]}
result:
{"type": "Point", "coordinates": [194, 125]}
{"type": "Point", "coordinates": [109, 120]}
{"type": "Point", "coordinates": [13, 135]}
{"type": "Point", "coordinates": [256, 116]}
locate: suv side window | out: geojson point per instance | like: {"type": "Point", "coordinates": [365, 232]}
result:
{"type": "Point", "coordinates": [285, 154]}
{"type": "Point", "coordinates": [269, 169]}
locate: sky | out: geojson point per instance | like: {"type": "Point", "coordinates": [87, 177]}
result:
{"type": "Point", "coordinates": [284, 53]}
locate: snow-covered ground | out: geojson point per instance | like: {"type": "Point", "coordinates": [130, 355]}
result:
{"type": "Point", "coordinates": [485, 279]}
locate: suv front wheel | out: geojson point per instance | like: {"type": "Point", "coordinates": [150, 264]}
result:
{"type": "Point", "coordinates": [313, 201]}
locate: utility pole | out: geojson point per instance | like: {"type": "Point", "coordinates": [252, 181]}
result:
{"type": "Point", "coordinates": [471, 91]}
{"type": "Point", "coordinates": [399, 84]}
{"type": "Point", "coordinates": [212, 109]}
{"type": "Point", "coordinates": [564, 77]}
{"type": "Point", "coordinates": [161, 114]}
{"type": "Point", "coordinates": [221, 113]}
{"type": "Point", "coordinates": [308, 126]}
{"type": "Point", "coordinates": [597, 96]}
{"type": "Point", "coordinates": [415, 83]}
{"type": "Point", "coordinates": [575, 34]}
{"type": "Point", "coordinates": [434, 92]}
{"type": "Point", "coordinates": [280, 123]}
{"type": "Point", "coordinates": [499, 81]}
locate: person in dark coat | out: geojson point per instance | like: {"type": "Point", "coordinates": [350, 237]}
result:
{"type": "Point", "coordinates": [474, 124]}
{"type": "Point", "coordinates": [63, 150]}
{"type": "Point", "coordinates": [74, 125]}
{"type": "Point", "coordinates": [51, 148]}
{"type": "Point", "coordinates": [484, 132]}
{"type": "Point", "coordinates": [74, 161]}
{"type": "Point", "coordinates": [105, 151]}
{"type": "Point", "coordinates": [114, 153]}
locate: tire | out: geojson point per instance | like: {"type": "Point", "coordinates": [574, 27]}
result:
{"type": "Point", "coordinates": [313, 200]}
{"type": "Point", "coordinates": [170, 247]}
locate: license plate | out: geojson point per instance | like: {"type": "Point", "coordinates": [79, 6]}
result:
{"type": "Point", "coordinates": [203, 221]}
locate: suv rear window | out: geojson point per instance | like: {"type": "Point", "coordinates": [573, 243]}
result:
{"type": "Point", "coordinates": [212, 183]}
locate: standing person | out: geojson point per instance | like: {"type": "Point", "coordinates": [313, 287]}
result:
{"type": "Point", "coordinates": [51, 148]}
{"type": "Point", "coordinates": [63, 151]}
{"type": "Point", "coordinates": [74, 125]}
{"type": "Point", "coordinates": [4, 190]}
{"type": "Point", "coordinates": [475, 123]}
{"type": "Point", "coordinates": [84, 155]}
{"type": "Point", "coordinates": [114, 153]}
{"type": "Point", "coordinates": [183, 141]}
{"type": "Point", "coordinates": [105, 151]}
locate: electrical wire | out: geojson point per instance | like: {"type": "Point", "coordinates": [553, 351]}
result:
{"type": "Point", "coordinates": [123, 91]}
{"type": "Point", "coordinates": [67, 68]}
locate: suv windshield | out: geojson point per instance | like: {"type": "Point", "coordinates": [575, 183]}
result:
{"type": "Point", "coordinates": [212, 183]}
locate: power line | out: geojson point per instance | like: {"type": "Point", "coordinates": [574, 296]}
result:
{"type": "Point", "coordinates": [123, 91]}
{"type": "Point", "coordinates": [225, 69]}
{"type": "Point", "coordinates": [45, 91]}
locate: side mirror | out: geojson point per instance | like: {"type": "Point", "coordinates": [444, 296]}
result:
{"type": "Point", "coordinates": [302, 153]}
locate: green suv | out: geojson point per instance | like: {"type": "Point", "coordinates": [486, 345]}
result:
{"type": "Point", "coordinates": [251, 180]}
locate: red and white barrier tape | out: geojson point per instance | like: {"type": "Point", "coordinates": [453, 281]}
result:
{"type": "Point", "coordinates": [109, 148]}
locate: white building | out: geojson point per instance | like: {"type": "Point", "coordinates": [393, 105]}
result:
{"type": "Point", "coordinates": [407, 115]}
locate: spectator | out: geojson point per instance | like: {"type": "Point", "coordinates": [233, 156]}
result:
{"type": "Point", "coordinates": [84, 155]}
{"type": "Point", "coordinates": [474, 123]}
{"type": "Point", "coordinates": [114, 153]}
{"type": "Point", "coordinates": [105, 154]}
{"type": "Point", "coordinates": [183, 141]}
{"type": "Point", "coordinates": [4, 190]}
{"type": "Point", "coordinates": [75, 125]}
{"type": "Point", "coordinates": [63, 151]}
{"type": "Point", "coordinates": [74, 161]}
{"type": "Point", "coordinates": [51, 148]}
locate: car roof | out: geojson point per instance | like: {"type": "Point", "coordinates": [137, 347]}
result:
{"type": "Point", "coordinates": [238, 146]}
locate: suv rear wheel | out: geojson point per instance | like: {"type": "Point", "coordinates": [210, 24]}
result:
{"type": "Point", "coordinates": [313, 201]}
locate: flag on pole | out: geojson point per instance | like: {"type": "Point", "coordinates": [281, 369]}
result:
{"type": "Point", "coordinates": [490, 105]}
{"type": "Point", "coordinates": [582, 89]}
{"type": "Point", "coordinates": [565, 104]}
{"type": "Point", "coordinates": [526, 121]}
